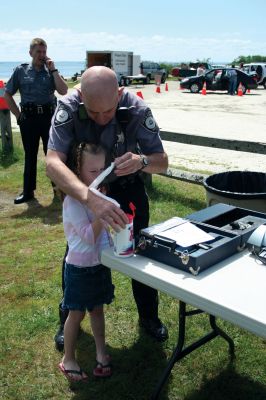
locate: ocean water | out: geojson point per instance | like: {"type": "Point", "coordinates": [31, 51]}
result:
{"type": "Point", "coordinates": [66, 68]}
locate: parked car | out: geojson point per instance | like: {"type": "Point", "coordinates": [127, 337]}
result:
{"type": "Point", "coordinates": [150, 69]}
{"type": "Point", "coordinates": [216, 79]}
{"type": "Point", "coordinates": [258, 70]}
{"type": "Point", "coordinates": [215, 66]}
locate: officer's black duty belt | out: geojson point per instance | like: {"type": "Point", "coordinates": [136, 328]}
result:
{"type": "Point", "coordinates": [30, 109]}
{"type": "Point", "coordinates": [125, 181]}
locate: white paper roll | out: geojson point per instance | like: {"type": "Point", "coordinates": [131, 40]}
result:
{"type": "Point", "coordinates": [103, 196]}
{"type": "Point", "coordinates": [102, 176]}
{"type": "Point", "coordinates": [94, 185]}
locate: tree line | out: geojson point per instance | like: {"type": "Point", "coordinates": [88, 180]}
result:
{"type": "Point", "coordinates": [249, 59]}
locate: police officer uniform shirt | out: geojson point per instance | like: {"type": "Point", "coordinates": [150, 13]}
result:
{"type": "Point", "coordinates": [68, 127]}
{"type": "Point", "coordinates": [34, 86]}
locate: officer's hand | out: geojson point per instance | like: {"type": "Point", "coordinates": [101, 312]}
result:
{"type": "Point", "coordinates": [127, 164]}
{"type": "Point", "coordinates": [107, 212]}
{"type": "Point", "coordinates": [49, 63]}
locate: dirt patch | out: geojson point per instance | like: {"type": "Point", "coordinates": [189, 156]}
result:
{"type": "Point", "coordinates": [6, 202]}
{"type": "Point", "coordinates": [45, 206]}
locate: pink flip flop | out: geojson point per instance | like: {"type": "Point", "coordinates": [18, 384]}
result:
{"type": "Point", "coordinates": [68, 372]}
{"type": "Point", "coordinates": [99, 370]}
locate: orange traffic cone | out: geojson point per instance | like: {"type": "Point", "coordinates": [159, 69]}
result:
{"type": "Point", "coordinates": [158, 90]}
{"type": "Point", "coordinates": [248, 91]}
{"type": "Point", "coordinates": [140, 95]}
{"type": "Point", "coordinates": [240, 90]}
{"type": "Point", "coordinates": [166, 87]}
{"type": "Point", "coordinates": [204, 89]}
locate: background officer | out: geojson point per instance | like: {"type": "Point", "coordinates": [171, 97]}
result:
{"type": "Point", "coordinates": [36, 82]}
{"type": "Point", "coordinates": [232, 84]}
{"type": "Point", "coordinates": [124, 125]}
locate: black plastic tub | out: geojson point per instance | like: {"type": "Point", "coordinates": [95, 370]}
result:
{"type": "Point", "coordinates": [240, 188]}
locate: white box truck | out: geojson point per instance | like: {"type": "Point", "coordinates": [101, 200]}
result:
{"type": "Point", "coordinates": [125, 64]}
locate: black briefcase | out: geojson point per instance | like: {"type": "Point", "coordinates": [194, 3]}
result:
{"type": "Point", "coordinates": [194, 258]}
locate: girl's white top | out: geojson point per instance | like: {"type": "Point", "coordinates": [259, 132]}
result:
{"type": "Point", "coordinates": [83, 250]}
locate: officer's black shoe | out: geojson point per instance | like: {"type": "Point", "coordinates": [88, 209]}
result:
{"type": "Point", "coordinates": [154, 328]}
{"type": "Point", "coordinates": [59, 338]}
{"type": "Point", "coordinates": [24, 197]}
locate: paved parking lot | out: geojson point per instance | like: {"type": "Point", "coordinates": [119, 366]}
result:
{"type": "Point", "coordinates": [214, 115]}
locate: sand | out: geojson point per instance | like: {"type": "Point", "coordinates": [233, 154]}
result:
{"type": "Point", "coordinates": [216, 115]}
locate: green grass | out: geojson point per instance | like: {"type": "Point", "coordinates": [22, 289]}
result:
{"type": "Point", "coordinates": [32, 247]}
{"type": "Point", "coordinates": [71, 84]}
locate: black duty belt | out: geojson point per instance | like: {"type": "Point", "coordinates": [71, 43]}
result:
{"type": "Point", "coordinates": [125, 181]}
{"type": "Point", "coordinates": [30, 109]}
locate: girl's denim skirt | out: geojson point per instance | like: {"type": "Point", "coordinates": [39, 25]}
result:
{"type": "Point", "coordinates": [87, 287]}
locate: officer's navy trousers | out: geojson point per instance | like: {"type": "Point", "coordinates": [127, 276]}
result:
{"type": "Point", "coordinates": [32, 129]}
{"type": "Point", "coordinates": [146, 297]}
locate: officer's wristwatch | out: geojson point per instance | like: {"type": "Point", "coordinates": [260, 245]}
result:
{"type": "Point", "coordinates": [144, 160]}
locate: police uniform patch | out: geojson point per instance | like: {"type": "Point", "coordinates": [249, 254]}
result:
{"type": "Point", "coordinates": [149, 122]}
{"type": "Point", "coordinates": [120, 138]}
{"type": "Point", "coordinates": [62, 116]}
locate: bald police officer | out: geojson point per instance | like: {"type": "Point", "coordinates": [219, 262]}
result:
{"type": "Point", "coordinates": [104, 113]}
{"type": "Point", "coordinates": [36, 82]}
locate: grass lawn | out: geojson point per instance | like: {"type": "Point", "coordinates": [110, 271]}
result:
{"type": "Point", "coordinates": [71, 84]}
{"type": "Point", "coordinates": [32, 248]}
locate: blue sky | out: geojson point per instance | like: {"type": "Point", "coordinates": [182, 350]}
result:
{"type": "Point", "coordinates": [156, 30]}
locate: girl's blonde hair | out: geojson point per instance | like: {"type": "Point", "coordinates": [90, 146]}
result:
{"type": "Point", "coordinates": [86, 148]}
{"type": "Point", "coordinates": [76, 160]}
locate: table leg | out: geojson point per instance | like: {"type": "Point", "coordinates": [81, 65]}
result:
{"type": "Point", "coordinates": [221, 333]}
{"type": "Point", "coordinates": [181, 352]}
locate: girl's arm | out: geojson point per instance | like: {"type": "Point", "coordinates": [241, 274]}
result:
{"type": "Point", "coordinates": [75, 216]}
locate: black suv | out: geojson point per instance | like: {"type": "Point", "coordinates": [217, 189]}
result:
{"type": "Point", "coordinates": [149, 69]}
{"type": "Point", "coordinates": [217, 79]}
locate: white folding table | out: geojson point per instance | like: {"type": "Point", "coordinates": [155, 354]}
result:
{"type": "Point", "coordinates": [234, 290]}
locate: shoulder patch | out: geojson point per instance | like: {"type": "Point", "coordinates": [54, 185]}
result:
{"type": "Point", "coordinates": [149, 122]}
{"type": "Point", "coordinates": [62, 116]}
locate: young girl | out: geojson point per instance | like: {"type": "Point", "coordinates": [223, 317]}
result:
{"type": "Point", "coordinates": [88, 283]}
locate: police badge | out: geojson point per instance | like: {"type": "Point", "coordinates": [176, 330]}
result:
{"type": "Point", "coordinates": [62, 116]}
{"type": "Point", "coordinates": [149, 122]}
